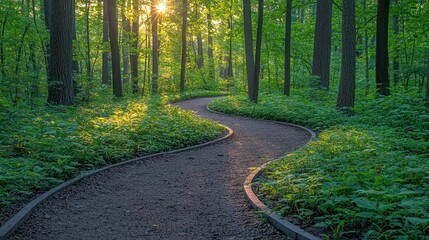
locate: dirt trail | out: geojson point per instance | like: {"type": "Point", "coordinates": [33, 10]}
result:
{"type": "Point", "coordinates": [190, 195]}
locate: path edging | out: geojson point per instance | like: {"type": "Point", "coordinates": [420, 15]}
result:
{"type": "Point", "coordinates": [19, 218]}
{"type": "Point", "coordinates": [284, 226]}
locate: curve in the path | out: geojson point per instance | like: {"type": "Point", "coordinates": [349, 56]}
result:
{"type": "Point", "coordinates": [189, 195]}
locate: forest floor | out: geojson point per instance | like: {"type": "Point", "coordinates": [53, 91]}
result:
{"type": "Point", "coordinates": [195, 194]}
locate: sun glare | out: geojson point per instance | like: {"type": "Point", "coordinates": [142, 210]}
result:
{"type": "Point", "coordinates": [161, 7]}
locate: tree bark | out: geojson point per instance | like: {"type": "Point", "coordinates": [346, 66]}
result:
{"type": "Point", "coordinates": [105, 71]}
{"type": "Point", "coordinates": [134, 52]}
{"type": "Point", "coordinates": [60, 78]}
{"type": "Point", "coordinates": [427, 82]}
{"type": "Point", "coordinates": [155, 47]}
{"type": "Point", "coordinates": [230, 73]}
{"type": "Point", "coordinates": [255, 92]}
{"type": "Point", "coordinates": [200, 58]}
{"type": "Point", "coordinates": [346, 93]}
{"type": "Point", "coordinates": [114, 46]}
{"type": "Point", "coordinates": [288, 32]}
{"type": "Point", "coordinates": [47, 9]}
{"type": "Point", "coordinates": [248, 44]}
{"type": "Point", "coordinates": [210, 45]}
{"type": "Point", "coordinates": [322, 44]}
{"type": "Point", "coordinates": [382, 51]}
{"type": "Point", "coordinates": [184, 28]}
{"type": "Point", "coordinates": [126, 29]}
{"type": "Point", "coordinates": [395, 26]}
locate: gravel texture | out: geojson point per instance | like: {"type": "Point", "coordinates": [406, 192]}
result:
{"type": "Point", "coordinates": [196, 194]}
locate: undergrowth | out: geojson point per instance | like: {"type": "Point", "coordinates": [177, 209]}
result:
{"type": "Point", "coordinates": [43, 146]}
{"type": "Point", "coordinates": [365, 176]}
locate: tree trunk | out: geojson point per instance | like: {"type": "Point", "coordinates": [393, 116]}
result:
{"type": "Point", "coordinates": [367, 84]}
{"type": "Point", "coordinates": [126, 29]}
{"type": "Point", "coordinates": [346, 93]}
{"type": "Point", "coordinates": [322, 44]}
{"type": "Point", "coordinates": [114, 46]}
{"type": "Point", "coordinates": [255, 92]}
{"type": "Point", "coordinates": [60, 78]}
{"type": "Point", "coordinates": [427, 82]}
{"type": "Point", "coordinates": [395, 25]}
{"type": "Point", "coordinates": [184, 26]}
{"type": "Point", "coordinates": [155, 47]}
{"type": "Point", "coordinates": [200, 58]}
{"type": "Point", "coordinates": [210, 45]}
{"type": "Point", "coordinates": [288, 33]}
{"type": "Point", "coordinates": [230, 73]}
{"type": "Point", "coordinates": [47, 9]}
{"type": "Point", "coordinates": [106, 71]}
{"type": "Point", "coordinates": [382, 51]}
{"type": "Point", "coordinates": [2, 54]}
{"type": "Point", "coordinates": [88, 43]}
{"type": "Point", "coordinates": [248, 44]}
{"type": "Point", "coordinates": [75, 63]}
{"type": "Point", "coordinates": [135, 50]}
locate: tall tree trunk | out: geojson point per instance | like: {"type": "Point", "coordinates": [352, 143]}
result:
{"type": "Point", "coordinates": [134, 52]}
{"type": "Point", "coordinates": [230, 73]}
{"type": "Point", "coordinates": [395, 25]}
{"type": "Point", "coordinates": [47, 9]}
{"type": "Point", "coordinates": [210, 44]}
{"type": "Point", "coordinates": [114, 46]}
{"type": "Point", "coordinates": [248, 44]}
{"type": "Point", "coordinates": [2, 54]}
{"type": "Point", "coordinates": [346, 93]}
{"type": "Point", "coordinates": [60, 78]}
{"type": "Point", "coordinates": [126, 29]}
{"type": "Point", "coordinates": [382, 51]}
{"type": "Point", "coordinates": [322, 44]}
{"type": "Point", "coordinates": [155, 46]}
{"type": "Point", "coordinates": [88, 43]}
{"type": "Point", "coordinates": [184, 26]}
{"type": "Point", "coordinates": [367, 84]}
{"type": "Point", "coordinates": [200, 58]}
{"type": "Point", "coordinates": [427, 82]}
{"type": "Point", "coordinates": [105, 71]}
{"type": "Point", "coordinates": [255, 92]}
{"type": "Point", "coordinates": [75, 63]}
{"type": "Point", "coordinates": [288, 32]}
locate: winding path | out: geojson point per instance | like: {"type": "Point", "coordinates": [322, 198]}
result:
{"type": "Point", "coordinates": [197, 194]}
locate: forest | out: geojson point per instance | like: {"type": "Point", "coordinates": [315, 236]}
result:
{"type": "Point", "coordinates": [84, 84]}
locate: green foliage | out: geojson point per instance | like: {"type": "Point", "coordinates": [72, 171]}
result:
{"type": "Point", "coordinates": [43, 146]}
{"type": "Point", "coordinates": [365, 176]}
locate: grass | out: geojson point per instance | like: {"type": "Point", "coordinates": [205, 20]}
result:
{"type": "Point", "coordinates": [43, 146]}
{"type": "Point", "coordinates": [365, 176]}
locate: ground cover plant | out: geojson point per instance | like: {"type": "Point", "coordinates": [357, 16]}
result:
{"type": "Point", "coordinates": [46, 145]}
{"type": "Point", "coordinates": [365, 176]}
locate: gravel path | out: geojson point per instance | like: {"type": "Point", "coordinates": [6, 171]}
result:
{"type": "Point", "coordinates": [190, 195]}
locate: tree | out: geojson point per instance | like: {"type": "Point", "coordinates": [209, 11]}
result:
{"type": "Point", "coordinates": [288, 32]}
{"type": "Point", "coordinates": [183, 62]}
{"type": "Point", "coordinates": [254, 95]}
{"type": "Point", "coordinates": [155, 46]}
{"type": "Point", "coordinates": [210, 43]}
{"type": "Point", "coordinates": [346, 93]}
{"type": "Point", "coordinates": [322, 44]}
{"type": "Point", "coordinates": [126, 29]}
{"type": "Point", "coordinates": [427, 82]}
{"type": "Point", "coordinates": [135, 44]}
{"type": "Point", "coordinates": [105, 76]}
{"type": "Point", "coordinates": [60, 76]}
{"type": "Point", "coordinates": [248, 44]}
{"type": "Point", "coordinates": [114, 46]}
{"type": "Point", "coordinates": [252, 65]}
{"type": "Point", "coordinates": [382, 51]}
